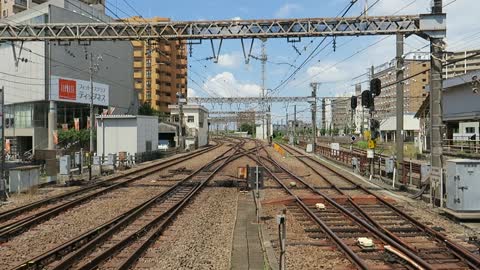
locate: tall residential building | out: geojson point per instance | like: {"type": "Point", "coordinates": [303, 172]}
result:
{"type": "Point", "coordinates": [341, 115]}
{"type": "Point", "coordinates": [160, 69]}
{"type": "Point", "coordinates": [12, 7]}
{"type": "Point", "coordinates": [463, 65]}
{"type": "Point", "coordinates": [414, 88]}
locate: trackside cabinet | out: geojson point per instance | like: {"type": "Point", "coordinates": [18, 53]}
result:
{"type": "Point", "coordinates": [463, 184]}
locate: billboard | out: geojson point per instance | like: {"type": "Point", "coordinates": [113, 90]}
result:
{"type": "Point", "coordinates": [78, 91]}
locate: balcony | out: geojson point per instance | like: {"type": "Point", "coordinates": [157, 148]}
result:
{"type": "Point", "coordinates": [138, 86]}
{"type": "Point", "coordinates": [138, 75]}
{"type": "Point", "coordinates": [165, 48]}
{"type": "Point", "coordinates": [162, 69]}
{"type": "Point", "coordinates": [137, 64]}
{"type": "Point", "coordinates": [182, 61]}
{"type": "Point", "coordinates": [19, 5]}
{"type": "Point", "coordinates": [161, 58]}
{"type": "Point", "coordinates": [138, 54]}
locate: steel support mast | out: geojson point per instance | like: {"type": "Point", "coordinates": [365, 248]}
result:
{"type": "Point", "coordinates": [436, 84]}
{"type": "Point", "coordinates": [400, 106]}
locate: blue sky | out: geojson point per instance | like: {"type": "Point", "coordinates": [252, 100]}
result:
{"type": "Point", "coordinates": [334, 69]}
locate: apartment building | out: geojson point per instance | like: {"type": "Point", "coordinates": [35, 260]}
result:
{"type": "Point", "coordinates": [11, 7]}
{"type": "Point", "coordinates": [341, 115]}
{"type": "Point", "coordinates": [464, 62]}
{"type": "Point", "coordinates": [414, 88]}
{"type": "Point", "coordinates": [160, 69]}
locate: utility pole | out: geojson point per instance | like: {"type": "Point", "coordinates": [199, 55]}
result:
{"type": "Point", "coordinates": [91, 69]}
{"type": "Point", "coordinates": [3, 190]}
{"type": "Point", "coordinates": [314, 86]}
{"type": "Point", "coordinates": [180, 101]}
{"type": "Point", "coordinates": [372, 109]}
{"type": "Point", "coordinates": [94, 67]}
{"type": "Point", "coordinates": [400, 106]}
{"type": "Point", "coordinates": [436, 85]}
{"type": "Point", "coordinates": [294, 124]}
{"type": "Point", "coordinates": [286, 122]}
{"type": "Point", "coordinates": [264, 66]}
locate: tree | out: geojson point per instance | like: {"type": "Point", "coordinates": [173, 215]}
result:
{"type": "Point", "coordinates": [323, 131]}
{"type": "Point", "coordinates": [74, 138]}
{"type": "Point", "coordinates": [246, 127]}
{"type": "Point", "coordinates": [146, 109]}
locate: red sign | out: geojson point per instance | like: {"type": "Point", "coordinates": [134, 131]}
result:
{"type": "Point", "coordinates": [67, 89]}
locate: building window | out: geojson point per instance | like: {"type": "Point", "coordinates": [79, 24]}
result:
{"type": "Point", "coordinates": [149, 84]}
{"type": "Point", "coordinates": [190, 119]}
{"type": "Point", "coordinates": [176, 118]}
{"type": "Point", "coordinates": [470, 130]}
{"type": "Point", "coordinates": [149, 74]}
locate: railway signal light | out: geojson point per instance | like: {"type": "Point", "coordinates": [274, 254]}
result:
{"type": "Point", "coordinates": [353, 102]}
{"type": "Point", "coordinates": [374, 129]}
{"type": "Point", "coordinates": [367, 99]}
{"type": "Point", "coordinates": [376, 87]}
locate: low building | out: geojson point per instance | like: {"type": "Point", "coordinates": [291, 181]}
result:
{"type": "Point", "coordinates": [167, 132]}
{"type": "Point", "coordinates": [195, 124]}
{"type": "Point", "coordinates": [411, 128]}
{"type": "Point", "coordinates": [461, 111]}
{"type": "Point", "coordinates": [126, 133]}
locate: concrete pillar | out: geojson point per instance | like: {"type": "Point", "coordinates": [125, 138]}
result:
{"type": "Point", "coordinates": [52, 124]}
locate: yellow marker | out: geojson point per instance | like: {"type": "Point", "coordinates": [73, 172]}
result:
{"type": "Point", "coordinates": [371, 144]}
{"type": "Point", "coordinates": [367, 134]}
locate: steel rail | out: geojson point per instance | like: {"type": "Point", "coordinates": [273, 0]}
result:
{"type": "Point", "coordinates": [12, 229]}
{"type": "Point", "coordinates": [459, 251]}
{"type": "Point", "coordinates": [358, 220]}
{"type": "Point", "coordinates": [128, 263]}
{"type": "Point", "coordinates": [43, 259]}
{"type": "Point", "coordinates": [91, 245]}
{"type": "Point", "coordinates": [21, 209]}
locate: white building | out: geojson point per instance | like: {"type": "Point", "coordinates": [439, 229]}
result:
{"type": "Point", "coordinates": [261, 129]}
{"type": "Point", "coordinates": [411, 128]}
{"type": "Point", "coordinates": [195, 124]}
{"type": "Point", "coordinates": [328, 114]}
{"type": "Point", "coordinates": [47, 83]}
{"type": "Point", "coordinates": [126, 133]}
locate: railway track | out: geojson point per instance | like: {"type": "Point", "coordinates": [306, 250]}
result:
{"type": "Point", "coordinates": [121, 241]}
{"type": "Point", "coordinates": [344, 220]}
{"type": "Point", "coordinates": [18, 220]}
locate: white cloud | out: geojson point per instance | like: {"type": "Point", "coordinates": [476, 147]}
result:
{"type": "Point", "coordinates": [191, 92]}
{"type": "Point", "coordinates": [329, 72]}
{"type": "Point", "coordinates": [230, 60]}
{"type": "Point", "coordinates": [287, 10]}
{"type": "Point", "coordinates": [237, 18]}
{"type": "Point", "coordinates": [226, 85]}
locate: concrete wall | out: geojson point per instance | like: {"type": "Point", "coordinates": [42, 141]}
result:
{"type": "Point", "coordinates": [120, 135]}
{"type": "Point", "coordinates": [460, 103]}
{"type": "Point", "coordinates": [115, 69]}
{"type": "Point", "coordinates": [127, 134]}
{"type": "Point", "coordinates": [147, 131]}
